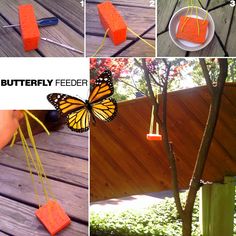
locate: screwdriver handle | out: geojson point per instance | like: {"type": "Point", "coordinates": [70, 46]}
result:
{"type": "Point", "coordinates": [47, 21]}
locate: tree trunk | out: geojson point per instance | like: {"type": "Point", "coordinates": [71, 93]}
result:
{"type": "Point", "coordinates": [187, 223]}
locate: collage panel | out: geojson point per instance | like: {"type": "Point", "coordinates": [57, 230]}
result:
{"type": "Point", "coordinates": [50, 28]}
{"type": "Point", "coordinates": [41, 181]}
{"type": "Point", "coordinates": [120, 28]}
{"type": "Point", "coordinates": [196, 28]}
{"type": "Point", "coordinates": [168, 111]}
{"type": "Point", "coordinates": [130, 130]}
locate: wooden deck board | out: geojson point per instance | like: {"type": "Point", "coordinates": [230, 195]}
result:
{"type": "Point", "coordinates": [61, 33]}
{"type": "Point", "coordinates": [57, 143]}
{"type": "Point", "coordinates": [67, 178]}
{"type": "Point", "coordinates": [70, 11]}
{"type": "Point", "coordinates": [19, 219]}
{"type": "Point", "coordinates": [139, 19]}
{"type": "Point", "coordinates": [56, 165]}
{"type": "Point", "coordinates": [17, 184]}
{"type": "Point", "coordinates": [221, 13]}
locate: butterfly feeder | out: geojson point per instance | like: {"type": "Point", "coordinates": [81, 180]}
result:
{"type": "Point", "coordinates": [51, 214]}
{"type": "Point", "coordinates": [151, 136]}
{"type": "Point", "coordinates": [191, 28]}
{"type": "Point", "coordinates": [114, 25]}
{"type": "Point", "coordinates": [29, 27]}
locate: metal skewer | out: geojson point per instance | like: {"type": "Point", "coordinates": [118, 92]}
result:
{"type": "Point", "coordinates": [62, 45]}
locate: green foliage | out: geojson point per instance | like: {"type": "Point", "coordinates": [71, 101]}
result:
{"type": "Point", "coordinates": [158, 220]}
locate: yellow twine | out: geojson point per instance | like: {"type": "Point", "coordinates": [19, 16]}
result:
{"type": "Point", "coordinates": [145, 41]}
{"type": "Point", "coordinates": [29, 157]}
{"type": "Point", "coordinates": [102, 44]}
{"type": "Point", "coordinates": [151, 129]}
{"type": "Point", "coordinates": [26, 148]}
{"type": "Point", "coordinates": [38, 160]}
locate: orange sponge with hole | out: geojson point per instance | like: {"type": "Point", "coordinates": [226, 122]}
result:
{"type": "Point", "coordinates": [53, 217]}
{"type": "Point", "coordinates": [188, 29]}
{"type": "Point", "coordinates": [111, 19]}
{"type": "Point", "coordinates": [29, 27]}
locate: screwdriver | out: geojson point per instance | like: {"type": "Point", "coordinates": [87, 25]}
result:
{"type": "Point", "coordinates": [41, 22]}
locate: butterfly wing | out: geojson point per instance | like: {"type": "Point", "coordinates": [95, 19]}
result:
{"type": "Point", "coordinates": [79, 120]}
{"type": "Point", "coordinates": [103, 87]}
{"type": "Point", "coordinates": [105, 110]}
{"type": "Point", "coordinates": [65, 104]}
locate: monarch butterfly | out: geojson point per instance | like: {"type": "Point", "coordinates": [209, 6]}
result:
{"type": "Point", "coordinates": [79, 112]}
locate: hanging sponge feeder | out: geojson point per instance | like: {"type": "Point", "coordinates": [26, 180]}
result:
{"type": "Point", "coordinates": [51, 214]}
{"type": "Point", "coordinates": [151, 136]}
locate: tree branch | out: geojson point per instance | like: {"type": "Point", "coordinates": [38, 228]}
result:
{"type": "Point", "coordinates": [167, 145]}
{"type": "Point", "coordinates": [206, 75]}
{"type": "Point", "coordinates": [208, 135]}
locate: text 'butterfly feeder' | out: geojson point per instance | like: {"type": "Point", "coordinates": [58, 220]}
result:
{"type": "Point", "coordinates": [99, 104]}
{"type": "Point", "coordinates": [51, 214]}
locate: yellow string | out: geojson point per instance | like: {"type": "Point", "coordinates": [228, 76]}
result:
{"type": "Point", "coordinates": [152, 121]}
{"type": "Point", "coordinates": [198, 27]}
{"type": "Point", "coordinates": [26, 149]}
{"type": "Point", "coordinates": [145, 41]}
{"type": "Point", "coordinates": [102, 44]}
{"type": "Point", "coordinates": [39, 121]}
{"type": "Point", "coordinates": [38, 161]}
{"type": "Point", "coordinates": [14, 139]}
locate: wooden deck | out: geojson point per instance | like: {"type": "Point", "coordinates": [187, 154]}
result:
{"type": "Point", "coordinates": [69, 31]}
{"type": "Point", "coordinates": [139, 16]}
{"type": "Point", "coordinates": [65, 158]}
{"type": "Point", "coordinates": [224, 16]}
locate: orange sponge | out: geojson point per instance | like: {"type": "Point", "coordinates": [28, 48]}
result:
{"type": "Point", "coordinates": [112, 20]}
{"type": "Point", "coordinates": [29, 27]}
{"type": "Point", "coordinates": [188, 29]}
{"type": "Point", "coordinates": [53, 217]}
{"type": "Point", "coordinates": [154, 137]}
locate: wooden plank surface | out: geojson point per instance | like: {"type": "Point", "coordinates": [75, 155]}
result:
{"type": "Point", "coordinates": [63, 168]}
{"type": "Point", "coordinates": [139, 19]}
{"type": "Point", "coordinates": [17, 185]}
{"type": "Point", "coordinates": [19, 219]}
{"type": "Point", "coordinates": [61, 33]}
{"type": "Point", "coordinates": [230, 44]}
{"type": "Point", "coordinates": [57, 143]}
{"type": "Point", "coordinates": [70, 11]}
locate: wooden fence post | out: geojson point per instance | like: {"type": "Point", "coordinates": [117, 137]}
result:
{"type": "Point", "coordinates": [217, 208]}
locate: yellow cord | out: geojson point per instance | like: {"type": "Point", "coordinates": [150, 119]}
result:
{"type": "Point", "coordinates": [14, 139]}
{"type": "Point", "coordinates": [38, 161]}
{"type": "Point", "coordinates": [102, 44]}
{"type": "Point", "coordinates": [27, 149]}
{"type": "Point", "coordinates": [39, 121]}
{"type": "Point", "coordinates": [152, 121]}
{"type": "Point", "coordinates": [145, 41]}
{"type": "Point", "coordinates": [198, 27]}
{"type": "Point", "coordinates": [29, 157]}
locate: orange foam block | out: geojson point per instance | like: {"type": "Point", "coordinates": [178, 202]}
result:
{"type": "Point", "coordinates": [188, 29]}
{"type": "Point", "coordinates": [154, 137]}
{"type": "Point", "coordinates": [111, 19]}
{"type": "Point", "coordinates": [29, 27]}
{"type": "Point", "coordinates": [53, 217]}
